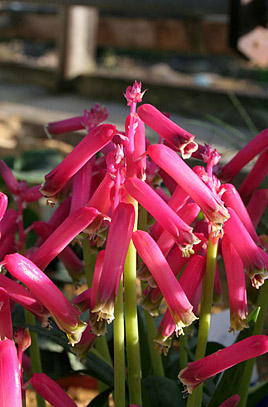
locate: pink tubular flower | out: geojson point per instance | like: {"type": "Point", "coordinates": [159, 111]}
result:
{"type": "Point", "coordinates": [231, 401]}
{"type": "Point", "coordinates": [6, 329]}
{"type": "Point", "coordinates": [65, 314]}
{"type": "Point", "coordinates": [10, 392]}
{"type": "Point", "coordinates": [236, 286]}
{"type": "Point", "coordinates": [94, 141]}
{"type": "Point", "coordinates": [118, 240]}
{"type": "Point", "coordinates": [200, 370]}
{"type": "Point", "coordinates": [254, 259]}
{"type": "Point", "coordinates": [24, 297]}
{"type": "Point", "coordinates": [257, 205]}
{"type": "Point", "coordinates": [168, 219]}
{"type": "Point", "coordinates": [178, 303]}
{"type": "Point", "coordinates": [209, 203]}
{"type": "Point", "coordinates": [32, 194]}
{"type": "Point", "coordinates": [81, 186]}
{"type": "Point", "coordinates": [63, 235]}
{"type": "Point", "coordinates": [67, 256]}
{"type": "Point", "coordinates": [232, 198]}
{"type": "Point", "coordinates": [255, 177]}
{"type": "Point", "coordinates": [3, 204]}
{"type": "Point", "coordinates": [51, 391]}
{"type": "Point", "coordinates": [8, 222]}
{"type": "Point", "coordinates": [189, 281]}
{"type": "Point", "coordinates": [91, 119]}
{"type": "Point", "coordinates": [179, 138]}
{"type": "Point", "coordinates": [244, 156]}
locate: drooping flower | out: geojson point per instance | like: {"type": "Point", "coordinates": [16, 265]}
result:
{"type": "Point", "coordinates": [8, 223]}
{"type": "Point", "coordinates": [255, 260]}
{"type": "Point", "coordinates": [232, 199]}
{"type": "Point", "coordinates": [236, 286]}
{"type": "Point", "coordinates": [178, 303]}
{"type": "Point", "coordinates": [10, 390]}
{"type": "Point", "coordinates": [26, 299]}
{"type": "Point", "coordinates": [257, 205]}
{"type": "Point", "coordinates": [208, 201]}
{"type": "Point", "coordinates": [81, 187]}
{"type": "Point", "coordinates": [244, 156]}
{"type": "Point", "coordinates": [177, 137]}
{"type": "Point", "coordinates": [86, 342]}
{"type": "Point", "coordinates": [6, 329]}
{"type": "Point", "coordinates": [51, 391]}
{"type": "Point", "coordinates": [63, 235]}
{"type": "Point", "coordinates": [168, 219]}
{"type": "Point", "coordinates": [255, 177]}
{"type": "Point", "coordinates": [65, 314]}
{"type": "Point", "coordinates": [88, 121]}
{"type": "Point", "coordinates": [200, 370]}
{"type": "Point", "coordinates": [11, 182]}
{"type": "Point", "coordinates": [118, 240]}
{"type": "Point", "coordinates": [94, 141]}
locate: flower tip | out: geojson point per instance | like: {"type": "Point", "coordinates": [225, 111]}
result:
{"type": "Point", "coordinates": [134, 94]}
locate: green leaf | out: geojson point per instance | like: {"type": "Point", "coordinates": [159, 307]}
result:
{"type": "Point", "coordinates": [144, 348]}
{"type": "Point", "coordinates": [101, 399]}
{"type": "Point", "coordinates": [99, 369]}
{"type": "Point", "coordinates": [164, 392]}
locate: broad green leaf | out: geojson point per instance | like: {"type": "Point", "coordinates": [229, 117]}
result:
{"type": "Point", "coordinates": [164, 392]}
{"type": "Point", "coordinates": [101, 399]}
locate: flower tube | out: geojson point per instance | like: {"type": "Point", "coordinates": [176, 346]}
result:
{"type": "Point", "coordinates": [178, 303]}
{"type": "Point", "coordinates": [209, 203]}
{"type": "Point", "coordinates": [236, 286]}
{"type": "Point", "coordinates": [199, 371]}
{"type": "Point", "coordinates": [244, 156]}
{"type": "Point", "coordinates": [255, 177]}
{"type": "Point", "coordinates": [254, 259]}
{"type": "Point", "coordinates": [118, 240]}
{"type": "Point", "coordinates": [67, 256]}
{"type": "Point", "coordinates": [8, 222]}
{"type": "Point", "coordinates": [24, 297]}
{"type": "Point", "coordinates": [84, 345]}
{"type": "Point", "coordinates": [10, 391]}
{"type": "Point", "coordinates": [232, 198]}
{"type": "Point", "coordinates": [65, 314]}
{"type": "Point", "coordinates": [32, 194]}
{"type": "Point", "coordinates": [179, 138]}
{"type": "Point", "coordinates": [168, 219]}
{"type": "Point", "coordinates": [90, 145]}
{"type": "Point", "coordinates": [81, 186]}
{"type": "Point", "coordinates": [3, 204]}
{"type": "Point", "coordinates": [6, 329]}
{"type": "Point", "coordinates": [63, 235]}
{"type": "Point", "coordinates": [51, 391]}
{"type": "Point", "coordinates": [257, 205]}
{"type": "Point", "coordinates": [88, 121]}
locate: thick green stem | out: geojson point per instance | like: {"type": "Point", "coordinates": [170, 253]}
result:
{"type": "Point", "coordinates": [35, 354]}
{"type": "Point", "coordinates": [131, 321]}
{"type": "Point", "coordinates": [195, 399]}
{"type": "Point", "coordinates": [119, 349]}
{"type": "Point", "coordinates": [183, 351]}
{"type": "Point", "coordinates": [262, 302]}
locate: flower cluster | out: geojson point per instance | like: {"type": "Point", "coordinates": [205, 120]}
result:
{"type": "Point", "coordinates": [97, 190]}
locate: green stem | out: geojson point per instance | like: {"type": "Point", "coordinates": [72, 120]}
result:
{"type": "Point", "coordinates": [119, 349]}
{"type": "Point", "coordinates": [89, 259]}
{"type": "Point", "coordinates": [131, 321]}
{"type": "Point", "coordinates": [183, 350]}
{"type": "Point", "coordinates": [195, 399]}
{"type": "Point", "coordinates": [35, 354]}
{"type": "Point", "coordinates": [262, 302]}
